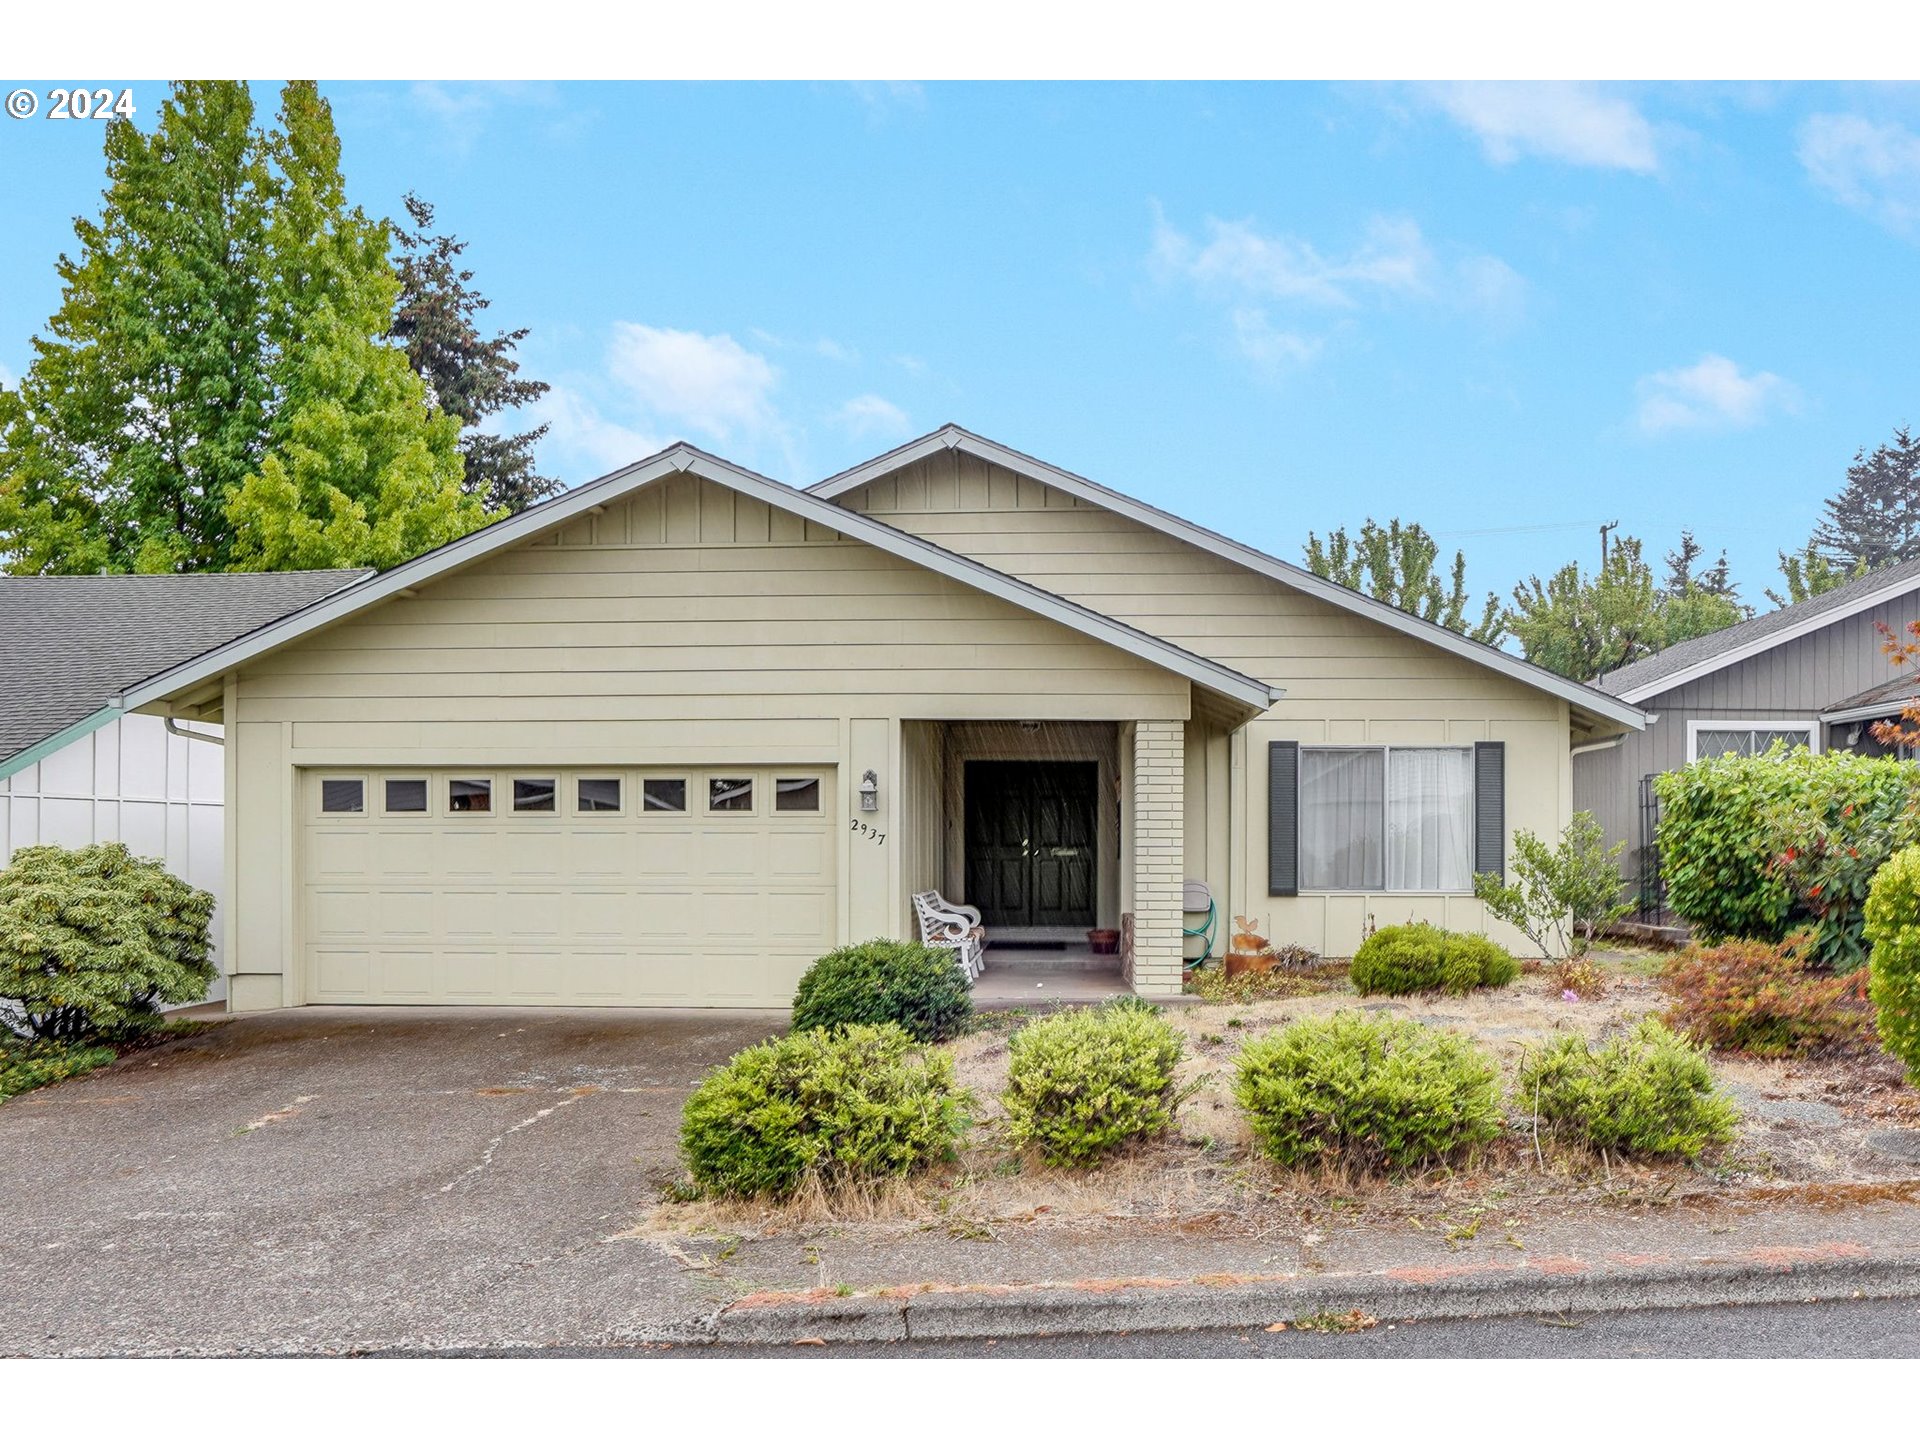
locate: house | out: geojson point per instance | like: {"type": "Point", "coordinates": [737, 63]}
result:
{"type": "Point", "coordinates": [665, 738]}
{"type": "Point", "coordinates": [1809, 674]}
{"type": "Point", "coordinates": [74, 769]}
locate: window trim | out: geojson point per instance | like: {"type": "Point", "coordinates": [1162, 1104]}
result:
{"type": "Point", "coordinates": [1694, 727]}
{"type": "Point", "coordinates": [424, 812]}
{"type": "Point", "coordinates": [320, 798]}
{"type": "Point", "coordinates": [581, 778]}
{"type": "Point", "coordinates": [1386, 800]}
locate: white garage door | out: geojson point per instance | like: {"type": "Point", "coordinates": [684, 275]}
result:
{"type": "Point", "coordinates": [654, 886]}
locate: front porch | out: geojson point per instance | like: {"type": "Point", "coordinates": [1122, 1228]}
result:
{"type": "Point", "coordinates": [1052, 829]}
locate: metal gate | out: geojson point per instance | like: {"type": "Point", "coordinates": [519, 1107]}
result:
{"type": "Point", "coordinates": [1652, 897]}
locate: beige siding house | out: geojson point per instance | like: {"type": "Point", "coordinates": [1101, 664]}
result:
{"type": "Point", "coordinates": [666, 738]}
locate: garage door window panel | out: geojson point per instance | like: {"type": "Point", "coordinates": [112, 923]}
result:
{"type": "Point", "coordinates": [730, 794]}
{"type": "Point", "coordinates": [469, 797]}
{"type": "Point", "coordinates": [663, 796]}
{"type": "Point", "coordinates": [535, 796]}
{"type": "Point", "coordinates": [598, 795]}
{"type": "Point", "coordinates": [797, 795]}
{"type": "Point", "coordinates": [343, 795]}
{"type": "Point", "coordinates": [406, 795]}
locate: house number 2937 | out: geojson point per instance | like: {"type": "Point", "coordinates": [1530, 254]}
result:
{"type": "Point", "coordinates": [860, 827]}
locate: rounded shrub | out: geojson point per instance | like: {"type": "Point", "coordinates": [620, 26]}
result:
{"type": "Point", "coordinates": [1893, 938]}
{"type": "Point", "coordinates": [841, 1107]}
{"type": "Point", "coordinates": [877, 982]}
{"type": "Point", "coordinates": [1714, 858]}
{"type": "Point", "coordinates": [1083, 1082]}
{"type": "Point", "coordinates": [1649, 1092]}
{"type": "Point", "coordinates": [1408, 959]}
{"type": "Point", "coordinates": [1760, 998]}
{"type": "Point", "coordinates": [94, 941]}
{"type": "Point", "coordinates": [1369, 1092]}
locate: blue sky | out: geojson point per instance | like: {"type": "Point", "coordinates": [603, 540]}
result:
{"type": "Point", "coordinates": [1510, 313]}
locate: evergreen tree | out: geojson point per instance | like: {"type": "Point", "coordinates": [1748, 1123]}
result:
{"type": "Point", "coordinates": [1875, 519]}
{"type": "Point", "coordinates": [469, 376]}
{"type": "Point", "coordinates": [147, 399]}
{"type": "Point", "coordinates": [1683, 579]}
{"type": "Point", "coordinates": [1396, 563]}
{"type": "Point", "coordinates": [1810, 573]}
{"type": "Point", "coordinates": [214, 391]}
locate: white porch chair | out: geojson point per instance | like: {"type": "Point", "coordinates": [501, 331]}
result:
{"type": "Point", "coordinates": [947, 926]}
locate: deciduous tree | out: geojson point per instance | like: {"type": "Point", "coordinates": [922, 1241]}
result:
{"type": "Point", "coordinates": [1398, 563]}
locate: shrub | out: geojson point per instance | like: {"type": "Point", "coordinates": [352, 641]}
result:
{"type": "Point", "coordinates": [841, 1107]}
{"type": "Point", "coordinates": [1649, 1092]}
{"type": "Point", "coordinates": [1758, 998]}
{"type": "Point", "coordinates": [94, 941]}
{"type": "Point", "coordinates": [1893, 932]}
{"type": "Point", "coordinates": [1758, 847]}
{"type": "Point", "coordinates": [28, 1067]}
{"type": "Point", "coordinates": [916, 987]}
{"type": "Point", "coordinates": [1560, 895]}
{"type": "Point", "coordinates": [1406, 959]}
{"type": "Point", "coordinates": [1579, 976]}
{"type": "Point", "coordinates": [1085, 1081]}
{"type": "Point", "coordinates": [1369, 1092]}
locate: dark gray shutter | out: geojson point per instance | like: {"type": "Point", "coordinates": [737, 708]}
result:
{"type": "Point", "coordinates": [1490, 808]}
{"type": "Point", "coordinates": [1283, 817]}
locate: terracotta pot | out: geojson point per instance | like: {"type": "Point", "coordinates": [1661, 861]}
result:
{"type": "Point", "coordinates": [1239, 962]}
{"type": "Point", "coordinates": [1104, 942]}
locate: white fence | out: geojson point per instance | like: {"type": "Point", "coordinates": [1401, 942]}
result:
{"type": "Point", "coordinates": [131, 781]}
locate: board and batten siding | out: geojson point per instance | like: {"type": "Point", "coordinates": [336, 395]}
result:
{"type": "Point", "coordinates": [130, 781]}
{"type": "Point", "coordinates": [1349, 680]}
{"type": "Point", "coordinates": [685, 624]}
{"type": "Point", "coordinates": [1791, 683]}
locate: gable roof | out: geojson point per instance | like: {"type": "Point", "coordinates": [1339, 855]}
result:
{"type": "Point", "coordinates": [70, 643]}
{"type": "Point", "coordinates": [1691, 659]}
{"type": "Point", "coordinates": [1889, 698]}
{"type": "Point", "coordinates": [682, 458]}
{"type": "Point", "coordinates": [954, 437]}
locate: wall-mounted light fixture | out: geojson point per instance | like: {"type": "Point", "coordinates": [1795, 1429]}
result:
{"type": "Point", "coordinates": [869, 791]}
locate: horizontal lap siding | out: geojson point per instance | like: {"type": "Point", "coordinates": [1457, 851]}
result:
{"type": "Point", "coordinates": [1348, 679]}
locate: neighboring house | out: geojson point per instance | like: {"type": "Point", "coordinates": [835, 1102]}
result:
{"type": "Point", "coordinates": [664, 739]}
{"type": "Point", "coordinates": [1810, 674]}
{"type": "Point", "coordinates": [73, 768]}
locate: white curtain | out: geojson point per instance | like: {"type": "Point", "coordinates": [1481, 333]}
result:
{"type": "Point", "coordinates": [1430, 820]}
{"type": "Point", "coordinates": [1340, 819]}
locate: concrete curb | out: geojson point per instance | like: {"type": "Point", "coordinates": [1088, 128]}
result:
{"type": "Point", "coordinates": [1556, 1284]}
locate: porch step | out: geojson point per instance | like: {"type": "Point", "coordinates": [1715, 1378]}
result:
{"type": "Point", "coordinates": [1074, 959]}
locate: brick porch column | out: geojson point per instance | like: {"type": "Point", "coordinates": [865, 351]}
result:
{"type": "Point", "coordinates": [1158, 849]}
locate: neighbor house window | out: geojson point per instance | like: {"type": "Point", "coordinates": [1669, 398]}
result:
{"type": "Point", "coordinates": [1731, 737]}
{"type": "Point", "coordinates": [600, 795]}
{"type": "Point", "coordinates": [534, 796]}
{"type": "Point", "coordinates": [406, 797]}
{"type": "Point", "coordinates": [1386, 818]}
{"type": "Point", "coordinates": [343, 797]}
{"type": "Point", "coordinates": [469, 797]}
{"type": "Point", "coordinates": [796, 794]}
{"type": "Point", "coordinates": [729, 793]}
{"type": "Point", "coordinates": [663, 795]}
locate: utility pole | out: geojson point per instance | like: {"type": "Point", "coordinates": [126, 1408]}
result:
{"type": "Point", "coordinates": [1611, 525]}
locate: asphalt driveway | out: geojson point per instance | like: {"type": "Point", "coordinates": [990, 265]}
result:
{"type": "Point", "coordinates": [348, 1178]}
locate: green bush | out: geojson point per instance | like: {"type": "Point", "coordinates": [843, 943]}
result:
{"type": "Point", "coordinates": [1560, 895]}
{"type": "Point", "coordinates": [94, 941]}
{"type": "Point", "coordinates": [43, 1062]}
{"type": "Point", "coordinates": [1649, 1092]}
{"type": "Point", "coordinates": [1893, 933]}
{"type": "Point", "coordinates": [1407, 959]}
{"type": "Point", "coordinates": [1760, 847]}
{"type": "Point", "coordinates": [1367, 1092]}
{"type": "Point", "coordinates": [877, 982]}
{"type": "Point", "coordinates": [841, 1107]}
{"type": "Point", "coordinates": [1085, 1081]}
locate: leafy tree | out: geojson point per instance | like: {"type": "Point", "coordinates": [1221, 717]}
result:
{"type": "Point", "coordinates": [1684, 579]}
{"type": "Point", "coordinates": [147, 401]}
{"type": "Point", "coordinates": [1582, 626]}
{"type": "Point", "coordinates": [468, 375]}
{"type": "Point", "coordinates": [1875, 519]}
{"type": "Point", "coordinates": [1809, 573]}
{"type": "Point", "coordinates": [214, 391]}
{"type": "Point", "coordinates": [1560, 895]}
{"type": "Point", "coordinates": [1396, 563]}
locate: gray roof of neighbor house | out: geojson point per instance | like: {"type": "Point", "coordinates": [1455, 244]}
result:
{"type": "Point", "coordinates": [1704, 654]}
{"type": "Point", "coordinates": [70, 643]}
{"type": "Point", "coordinates": [1895, 694]}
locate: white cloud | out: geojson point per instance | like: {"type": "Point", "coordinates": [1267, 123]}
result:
{"type": "Point", "coordinates": [578, 427]}
{"type": "Point", "coordinates": [1712, 394]}
{"type": "Point", "coordinates": [873, 415]}
{"type": "Point", "coordinates": [710, 382]}
{"type": "Point", "coordinates": [1272, 350]}
{"type": "Point", "coordinates": [1871, 166]}
{"type": "Point", "coordinates": [1237, 256]}
{"type": "Point", "coordinates": [1556, 120]}
{"type": "Point", "coordinates": [1490, 286]}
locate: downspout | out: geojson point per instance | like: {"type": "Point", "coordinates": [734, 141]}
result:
{"type": "Point", "coordinates": [1593, 746]}
{"type": "Point", "coordinates": [173, 728]}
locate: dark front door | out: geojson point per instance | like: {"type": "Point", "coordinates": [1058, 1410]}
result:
{"type": "Point", "coordinates": [1030, 841]}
